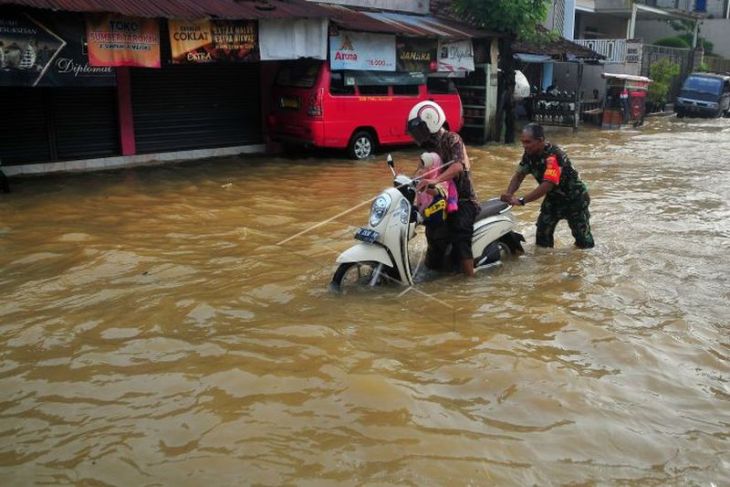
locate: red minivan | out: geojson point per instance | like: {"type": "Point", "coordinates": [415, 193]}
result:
{"type": "Point", "coordinates": [353, 110]}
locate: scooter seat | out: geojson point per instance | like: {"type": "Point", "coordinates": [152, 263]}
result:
{"type": "Point", "coordinates": [490, 208]}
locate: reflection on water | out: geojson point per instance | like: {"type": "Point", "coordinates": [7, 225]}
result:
{"type": "Point", "coordinates": [153, 331]}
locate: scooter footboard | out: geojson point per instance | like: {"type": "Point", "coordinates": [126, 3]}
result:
{"type": "Point", "coordinates": [364, 252]}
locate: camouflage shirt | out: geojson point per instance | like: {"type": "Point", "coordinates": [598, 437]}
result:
{"type": "Point", "coordinates": [553, 165]}
{"type": "Point", "coordinates": [451, 148]}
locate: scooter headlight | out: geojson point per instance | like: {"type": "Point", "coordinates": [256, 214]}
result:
{"type": "Point", "coordinates": [405, 212]}
{"type": "Point", "coordinates": [378, 209]}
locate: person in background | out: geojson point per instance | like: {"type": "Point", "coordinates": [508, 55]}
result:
{"type": "Point", "coordinates": [566, 196]}
{"type": "Point", "coordinates": [625, 109]}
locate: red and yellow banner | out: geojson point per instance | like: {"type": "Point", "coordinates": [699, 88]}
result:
{"type": "Point", "coordinates": [211, 41]}
{"type": "Point", "coordinates": [114, 40]}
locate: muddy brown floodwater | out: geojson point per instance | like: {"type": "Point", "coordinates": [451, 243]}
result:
{"type": "Point", "coordinates": [153, 332]}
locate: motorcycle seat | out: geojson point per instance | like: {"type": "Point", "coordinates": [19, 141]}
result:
{"type": "Point", "coordinates": [490, 208]}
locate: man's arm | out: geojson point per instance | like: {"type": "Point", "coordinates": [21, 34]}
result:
{"type": "Point", "coordinates": [515, 182]}
{"type": "Point", "coordinates": [539, 192]}
{"type": "Point", "coordinates": [453, 170]}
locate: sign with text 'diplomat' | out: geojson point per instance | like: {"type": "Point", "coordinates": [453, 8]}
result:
{"type": "Point", "coordinates": [455, 56]}
{"type": "Point", "coordinates": [47, 49]}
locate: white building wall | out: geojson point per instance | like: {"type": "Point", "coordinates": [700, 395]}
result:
{"type": "Point", "coordinates": [716, 31]}
{"type": "Point", "coordinates": [715, 8]}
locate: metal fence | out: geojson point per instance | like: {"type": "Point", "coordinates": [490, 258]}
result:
{"type": "Point", "coordinates": [613, 49]}
{"type": "Point", "coordinates": [683, 57]}
{"type": "Point", "coordinates": [717, 64]}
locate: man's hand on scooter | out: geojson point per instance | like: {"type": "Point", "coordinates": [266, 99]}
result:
{"type": "Point", "coordinates": [510, 198]}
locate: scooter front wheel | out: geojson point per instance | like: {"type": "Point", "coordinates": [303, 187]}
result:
{"type": "Point", "coordinates": [351, 275]}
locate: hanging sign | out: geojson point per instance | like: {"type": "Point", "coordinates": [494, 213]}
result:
{"type": "Point", "coordinates": [455, 56]}
{"type": "Point", "coordinates": [213, 41]}
{"type": "Point", "coordinates": [115, 40]}
{"type": "Point", "coordinates": [362, 51]}
{"type": "Point", "coordinates": [47, 50]}
{"type": "Point", "coordinates": [416, 54]}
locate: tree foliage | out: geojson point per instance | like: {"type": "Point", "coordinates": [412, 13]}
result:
{"type": "Point", "coordinates": [686, 29]}
{"type": "Point", "coordinates": [516, 17]}
{"type": "Point", "coordinates": [662, 74]}
{"type": "Point", "coordinates": [672, 42]}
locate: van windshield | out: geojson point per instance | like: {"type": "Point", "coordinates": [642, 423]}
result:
{"type": "Point", "coordinates": [701, 84]}
{"type": "Point", "coordinates": [298, 74]}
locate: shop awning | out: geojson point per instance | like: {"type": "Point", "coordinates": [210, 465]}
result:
{"type": "Point", "coordinates": [402, 24]}
{"type": "Point", "coordinates": [184, 9]}
{"type": "Point", "coordinates": [533, 58]}
{"type": "Point", "coordinates": [560, 49]}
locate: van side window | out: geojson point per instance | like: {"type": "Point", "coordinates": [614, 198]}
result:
{"type": "Point", "coordinates": [373, 90]}
{"type": "Point", "coordinates": [409, 90]}
{"type": "Point", "coordinates": [337, 85]}
{"type": "Point", "coordinates": [440, 86]}
{"type": "Point", "coordinates": [298, 74]}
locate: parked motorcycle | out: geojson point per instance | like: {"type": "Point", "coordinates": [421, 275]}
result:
{"type": "Point", "coordinates": [382, 254]}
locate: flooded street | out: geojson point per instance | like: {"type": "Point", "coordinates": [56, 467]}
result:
{"type": "Point", "coordinates": [153, 332]}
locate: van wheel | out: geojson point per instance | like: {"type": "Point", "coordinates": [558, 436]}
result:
{"type": "Point", "coordinates": [361, 145]}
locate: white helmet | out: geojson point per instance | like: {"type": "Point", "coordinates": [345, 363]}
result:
{"type": "Point", "coordinates": [426, 118]}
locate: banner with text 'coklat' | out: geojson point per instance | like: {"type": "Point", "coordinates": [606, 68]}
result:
{"type": "Point", "coordinates": [213, 41]}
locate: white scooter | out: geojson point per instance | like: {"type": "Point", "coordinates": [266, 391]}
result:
{"type": "Point", "coordinates": [382, 255]}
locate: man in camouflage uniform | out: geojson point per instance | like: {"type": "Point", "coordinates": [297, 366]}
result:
{"type": "Point", "coordinates": [566, 196]}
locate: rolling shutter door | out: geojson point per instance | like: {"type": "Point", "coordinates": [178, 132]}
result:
{"type": "Point", "coordinates": [182, 107]}
{"type": "Point", "coordinates": [54, 124]}
{"type": "Point", "coordinates": [23, 127]}
{"type": "Point", "coordinates": [85, 122]}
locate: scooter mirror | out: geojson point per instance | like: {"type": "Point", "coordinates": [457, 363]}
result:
{"type": "Point", "coordinates": [391, 164]}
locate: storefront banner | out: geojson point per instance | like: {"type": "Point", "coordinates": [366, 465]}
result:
{"type": "Point", "coordinates": [115, 40]}
{"type": "Point", "coordinates": [27, 50]}
{"type": "Point", "coordinates": [282, 39]}
{"type": "Point", "coordinates": [454, 56]}
{"type": "Point", "coordinates": [362, 51]}
{"type": "Point", "coordinates": [416, 54]}
{"type": "Point", "coordinates": [213, 41]}
{"type": "Point", "coordinates": [47, 50]}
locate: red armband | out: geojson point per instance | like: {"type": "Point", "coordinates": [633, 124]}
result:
{"type": "Point", "coordinates": [552, 170]}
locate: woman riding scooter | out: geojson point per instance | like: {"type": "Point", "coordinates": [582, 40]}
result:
{"type": "Point", "coordinates": [425, 126]}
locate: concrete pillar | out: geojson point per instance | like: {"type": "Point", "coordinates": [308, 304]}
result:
{"type": "Point", "coordinates": [124, 112]}
{"type": "Point", "coordinates": [569, 23]}
{"type": "Point", "coordinates": [547, 75]}
{"type": "Point", "coordinates": [698, 57]}
{"type": "Point", "coordinates": [631, 27]}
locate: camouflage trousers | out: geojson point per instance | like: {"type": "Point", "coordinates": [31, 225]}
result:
{"type": "Point", "coordinates": [575, 210]}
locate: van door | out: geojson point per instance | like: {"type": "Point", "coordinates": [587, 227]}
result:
{"type": "Point", "coordinates": [295, 113]}
{"type": "Point", "coordinates": [339, 102]}
{"type": "Point", "coordinates": [374, 110]}
{"type": "Point", "coordinates": [404, 98]}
